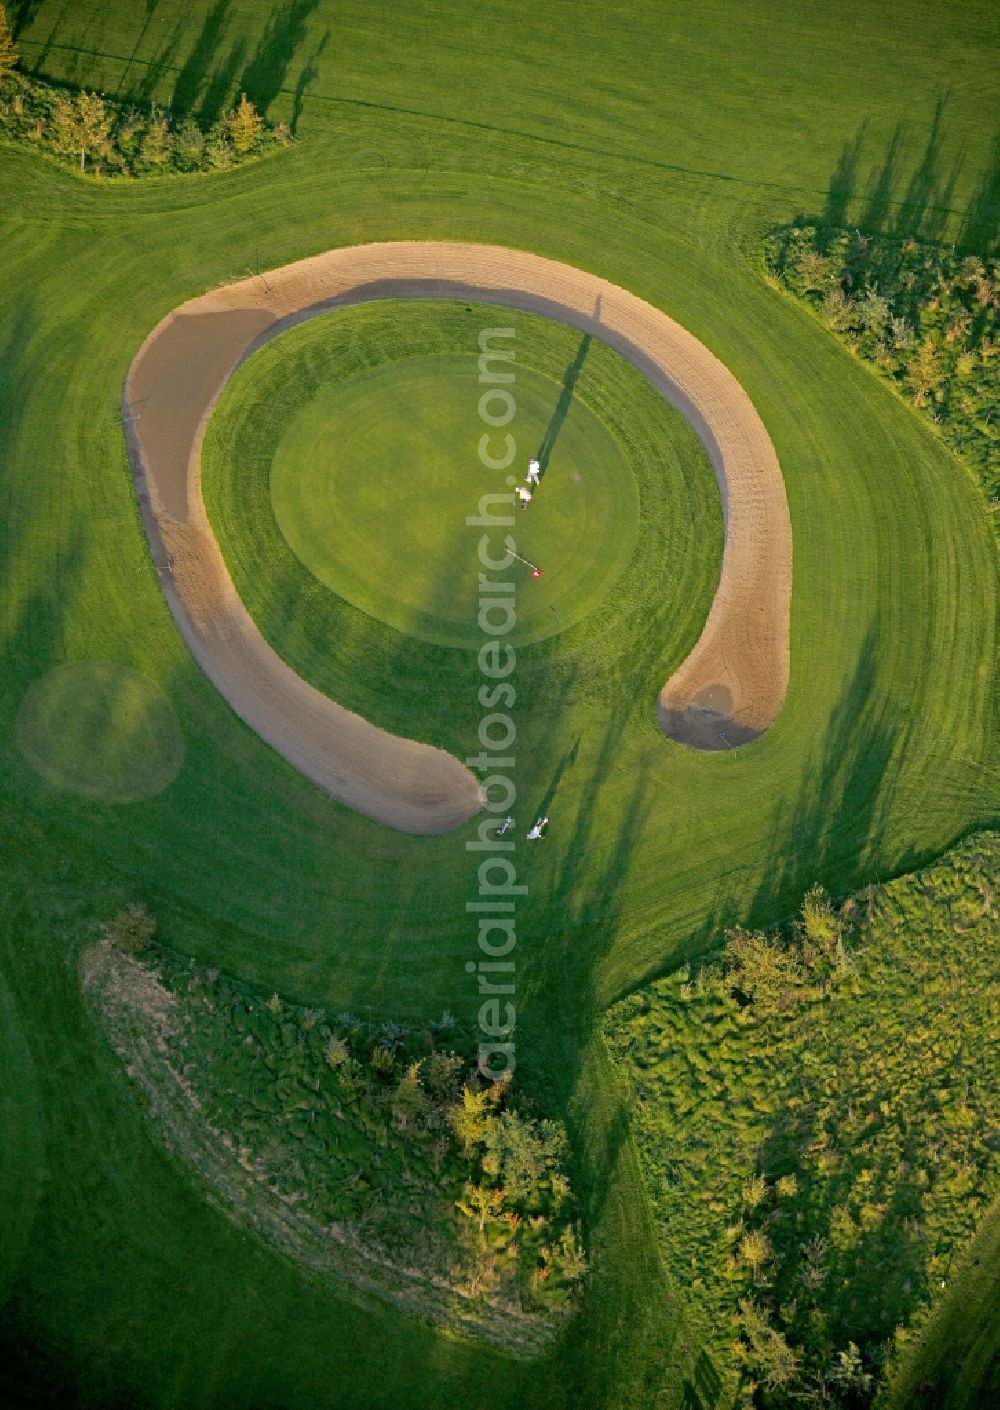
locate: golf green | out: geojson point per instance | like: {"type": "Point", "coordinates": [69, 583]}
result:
{"type": "Point", "coordinates": [374, 479]}
{"type": "Point", "coordinates": [369, 577]}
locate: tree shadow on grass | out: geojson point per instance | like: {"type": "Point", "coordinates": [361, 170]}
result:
{"type": "Point", "coordinates": [27, 608]}
{"type": "Point", "coordinates": [220, 90]}
{"type": "Point", "coordinates": [193, 75]}
{"type": "Point", "coordinates": [981, 226]}
{"type": "Point", "coordinates": [846, 792]}
{"type": "Point", "coordinates": [844, 179]}
{"type": "Point", "coordinates": [21, 13]}
{"type": "Point", "coordinates": [105, 1130]}
{"type": "Point", "coordinates": [905, 200]}
{"type": "Point", "coordinates": [878, 196]}
{"type": "Point", "coordinates": [308, 75]}
{"type": "Point", "coordinates": [566, 762]}
{"type": "Point", "coordinates": [702, 1391]}
{"type": "Point", "coordinates": [265, 75]}
{"type": "Point", "coordinates": [835, 822]}
{"type": "Point", "coordinates": [925, 205]}
{"type": "Point", "coordinates": [627, 1324]}
{"type": "Point", "coordinates": [217, 70]}
{"type": "Point", "coordinates": [842, 805]}
{"type": "Point", "coordinates": [152, 70]}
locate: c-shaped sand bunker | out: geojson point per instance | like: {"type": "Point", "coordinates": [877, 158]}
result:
{"type": "Point", "coordinates": [728, 690]}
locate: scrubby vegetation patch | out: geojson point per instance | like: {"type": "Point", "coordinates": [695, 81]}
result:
{"type": "Point", "coordinates": [370, 1152]}
{"type": "Point", "coordinates": [817, 1112]}
{"type": "Point", "coordinates": [927, 316]}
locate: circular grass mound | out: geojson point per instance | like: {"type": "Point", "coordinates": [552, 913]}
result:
{"type": "Point", "coordinates": [101, 731]}
{"type": "Point", "coordinates": [373, 480]}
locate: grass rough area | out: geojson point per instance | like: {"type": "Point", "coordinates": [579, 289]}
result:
{"type": "Point", "coordinates": [818, 1120]}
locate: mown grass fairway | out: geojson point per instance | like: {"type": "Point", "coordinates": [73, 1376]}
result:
{"type": "Point", "coordinates": [656, 151]}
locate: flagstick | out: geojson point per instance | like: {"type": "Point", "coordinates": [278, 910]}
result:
{"type": "Point", "coordinates": [536, 572]}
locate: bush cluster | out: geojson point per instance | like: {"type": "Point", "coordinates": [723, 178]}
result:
{"type": "Point", "coordinates": [928, 317]}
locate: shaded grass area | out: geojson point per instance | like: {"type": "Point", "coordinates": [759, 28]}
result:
{"type": "Point", "coordinates": [69, 1334]}
{"type": "Point", "coordinates": [830, 1179]}
{"type": "Point", "coordinates": [656, 152]}
{"type": "Point", "coordinates": [22, 1169]}
{"type": "Point", "coordinates": [838, 125]}
{"type": "Point", "coordinates": [954, 1361]}
{"type": "Point", "coordinates": [251, 869]}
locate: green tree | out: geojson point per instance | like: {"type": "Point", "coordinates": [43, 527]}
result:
{"type": "Point", "coordinates": [443, 1074]}
{"type": "Point", "coordinates": [761, 968]}
{"type": "Point", "coordinates": [839, 310]}
{"type": "Point", "coordinates": [571, 1259]}
{"type": "Point", "coordinates": [874, 312]}
{"type": "Point", "coordinates": [848, 1372]}
{"type": "Point", "coordinates": [408, 1098]}
{"type": "Point", "coordinates": [755, 1250]}
{"type": "Point", "coordinates": [245, 126]}
{"type": "Point", "coordinates": [902, 333]}
{"type": "Point", "coordinates": [925, 372]}
{"type": "Point", "coordinates": [8, 49]}
{"type": "Point", "coordinates": [337, 1052]}
{"type": "Point", "coordinates": [786, 1186]}
{"type": "Point", "coordinates": [764, 1349]}
{"type": "Point", "coordinates": [81, 124]}
{"type": "Point", "coordinates": [755, 1191]}
{"type": "Point", "coordinates": [382, 1059]}
{"type": "Point", "coordinates": [128, 131]}
{"type": "Point", "coordinates": [471, 1118]}
{"type": "Point", "coordinates": [524, 1151]}
{"type": "Point", "coordinates": [158, 143]}
{"type": "Point", "coordinates": [218, 148]}
{"type": "Point", "coordinates": [189, 145]}
{"type": "Point", "coordinates": [479, 1202]}
{"type": "Point", "coordinates": [815, 274]}
{"type": "Point", "coordinates": [821, 927]}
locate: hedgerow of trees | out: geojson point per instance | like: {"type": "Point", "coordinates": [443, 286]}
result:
{"type": "Point", "coordinates": [106, 138]}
